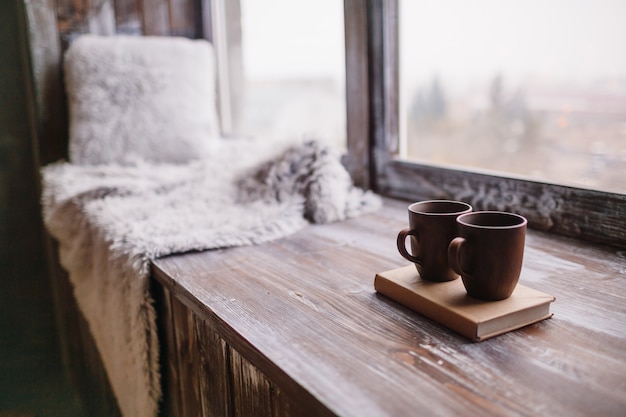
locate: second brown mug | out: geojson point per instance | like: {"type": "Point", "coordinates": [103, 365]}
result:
{"type": "Point", "coordinates": [488, 253]}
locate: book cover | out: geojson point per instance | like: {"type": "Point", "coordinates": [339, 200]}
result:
{"type": "Point", "coordinates": [449, 304]}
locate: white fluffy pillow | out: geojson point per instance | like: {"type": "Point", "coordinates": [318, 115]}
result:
{"type": "Point", "coordinates": [132, 97]}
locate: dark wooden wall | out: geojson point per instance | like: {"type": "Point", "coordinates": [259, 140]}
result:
{"type": "Point", "coordinates": [34, 132]}
{"type": "Point", "coordinates": [29, 355]}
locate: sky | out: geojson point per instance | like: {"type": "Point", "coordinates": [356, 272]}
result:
{"type": "Point", "coordinates": [566, 39]}
{"type": "Point", "coordinates": [293, 38]}
{"type": "Point", "coordinates": [570, 39]}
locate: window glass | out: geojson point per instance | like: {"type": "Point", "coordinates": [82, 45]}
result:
{"type": "Point", "coordinates": [535, 89]}
{"type": "Point", "coordinates": [293, 70]}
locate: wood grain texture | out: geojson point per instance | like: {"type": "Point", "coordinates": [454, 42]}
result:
{"type": "Point", "coordinates": [50, 101]}
{"type": "Point", "coordinates": [203, 375]}
{"type": "Point", "coordinates": [303, 312]}
{"type": "Point", "coordinates": [372, 87]}
{"type": "Point", "coordinates": [183, 18]}
{"type": "Point", "coordinates": [188, 358]}
{"type": "Point", "coordinates": [357, 160]}
{"type": "Point", "coordinates": [168, 357]}
{"type": "Point", "coordinates": [391, 77]}
{"type": "Point", "coordinates": [252, 391]}
{"type": "Point", "coordinates": [214, 372]}
{"type": "Point", "coordinates": [588, 215]}
{"type": "Point", "coordinates": [128, 19]}
{"type": "Point", "coordinates": [156, 17]}
{"type": "Point", "coordinates": [383, 72]}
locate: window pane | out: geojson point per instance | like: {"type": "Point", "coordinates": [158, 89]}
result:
{"type": "Point", "coordinates": [294, 70]}
{"type": "Point", "coordinates": [530, 88]}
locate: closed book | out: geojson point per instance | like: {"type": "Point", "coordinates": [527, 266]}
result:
{"type": "Point", "coordinates": [448, 304]}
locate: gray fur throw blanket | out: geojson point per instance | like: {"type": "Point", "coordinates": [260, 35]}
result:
{"type": "Point", "coordinates": [111, 220]}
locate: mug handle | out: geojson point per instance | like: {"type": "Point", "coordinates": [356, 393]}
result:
{"type": "Point", "coordinates": [401, 242]}
{"type": "Point", "coordinates": [454, 256]}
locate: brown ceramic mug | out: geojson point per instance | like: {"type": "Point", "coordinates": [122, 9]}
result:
{"type": "Point", "coordinates": [488, 253]}
{"type": "Point", "coordinates": [432, 225]}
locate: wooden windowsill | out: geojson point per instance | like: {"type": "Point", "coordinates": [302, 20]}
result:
{"type": "Point", "coordinates": [303, 311]}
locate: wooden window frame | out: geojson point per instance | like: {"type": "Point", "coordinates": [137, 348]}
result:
{"type": "Point", "coordinates": [372, 108]}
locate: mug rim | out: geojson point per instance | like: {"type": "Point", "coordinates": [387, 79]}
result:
{"type": "Point", "coordinates": [521, 220]}
{"type": "Point", "coordinates": [467, 209]}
